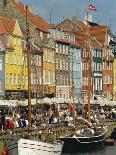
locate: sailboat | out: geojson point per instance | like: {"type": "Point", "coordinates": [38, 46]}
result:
{"type": "Point", "coordinates": [93, 136]}
{"type": "Point", "coordinates": [30, 146]}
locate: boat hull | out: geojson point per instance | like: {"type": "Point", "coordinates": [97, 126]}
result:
{"type": "Point", "coordinates": [75, 144]}
{"type": "Point", "coordinates": [28, 147]}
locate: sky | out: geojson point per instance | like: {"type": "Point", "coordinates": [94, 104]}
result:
{"type": "Point", "coordinates": [60, 9]}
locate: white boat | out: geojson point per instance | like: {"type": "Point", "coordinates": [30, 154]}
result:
{"type": "Point", "coordinates": [33, 147]}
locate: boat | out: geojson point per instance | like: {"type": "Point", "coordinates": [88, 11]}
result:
{"type": "Point", "coordinates": [29, 145]}
{"type": "Point", "coordinates": [93, 136]}
{"type": "Point", "coordinates": [109, 142]}
{"type": "Point", "coordinates": [113, 134]}
{"type": "Point", "coordinates": [88, 138]}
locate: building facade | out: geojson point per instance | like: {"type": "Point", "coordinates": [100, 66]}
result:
{"type": "Point", "coordinates": [16, 80]}
{"type": "Point", "coordinates": [97, 72]}
{"type": "Point", "coordinates": [62, 66]}
{"type": "Point", "coordinates": [49, 85]}
{"type": "Point", "coordinates": [2, 70]}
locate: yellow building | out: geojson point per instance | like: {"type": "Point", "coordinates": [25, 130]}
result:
{"type": "Point", "coordinates": [49, 88]}
{"type": "Point", "coordinates": [114, 78]}
{"type": "Point", "coordinates": [16, 79]}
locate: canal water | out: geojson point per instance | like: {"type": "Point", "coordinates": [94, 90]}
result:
{"type": "Point", "coordinates": [108, 150]}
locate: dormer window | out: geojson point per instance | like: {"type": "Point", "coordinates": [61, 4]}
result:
{"type": "Point", "coordinates": [67, 37]}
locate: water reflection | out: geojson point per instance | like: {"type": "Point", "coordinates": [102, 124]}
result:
{"type": "Point", "coordinates": [110, 150]}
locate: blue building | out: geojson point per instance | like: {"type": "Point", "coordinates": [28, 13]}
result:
{"type": "Point", "coordinates": [2, 70]}
{"type": "Point", "coordinates": [75, 69]}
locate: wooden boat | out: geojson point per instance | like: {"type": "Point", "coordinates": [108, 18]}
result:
{"type": "Point", "coordinates": [88, 138]}
{"type": "Point", "coordinates": [34, 147]}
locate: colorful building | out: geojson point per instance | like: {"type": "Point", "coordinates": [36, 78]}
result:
{"type": "Point", "coordinates": [49, 85]}
{"type": "Point", "coordinates": [75, 68]}
{"type": "Point", "coordinates": [15, 69]}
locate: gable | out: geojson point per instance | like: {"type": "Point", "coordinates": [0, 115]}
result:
{"type": "Point", "coordinates": [49, 42]}
{"type": "Point", "coordinates": [70, 25]}
{"type": "Point", "coordinates": [17, 30]}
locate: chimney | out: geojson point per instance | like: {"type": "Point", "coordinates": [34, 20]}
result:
{"type": "Point", "coordinates": [89, 19]}
{"type": "Point", "coordinates": [32, 9]}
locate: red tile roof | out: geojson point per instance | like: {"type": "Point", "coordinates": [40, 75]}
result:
{"type": "Point", "coordinates": [3, 41]}
{"type": "Point", "coordinates": [99, 32]}
{"type": "Point", "coordinates": [37, 21]}
{"type": "Point", "coordinates": [7, 25]}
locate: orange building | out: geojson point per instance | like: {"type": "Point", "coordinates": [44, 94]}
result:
{"type": "Point", "coordinates": [49, 88]}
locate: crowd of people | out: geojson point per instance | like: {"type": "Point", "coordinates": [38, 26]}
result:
{"type": "Point", "coordinates": [18, 117]}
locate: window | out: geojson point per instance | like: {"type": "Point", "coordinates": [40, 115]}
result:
{"type": "Point", "coordinates": [45, 76]}
{"type": "Point", "coordinates": [19, 42]}
{"type": "Point", "coordinates": [48, 81]}
{"type": "Point", "coordinates": [61, 79]}
{"type": "Point", "coordinates": [6, 58]}
{"type": "Point", "coordinates": [63, 49]}
{"type": "Point", "coordinates": [60, 64]}
{"type": "Point", "coordinates": [7, 40]}
{"type": "Point", "coordinates": [15, 41]}
{"type": "Point", "coordinates": [56, 48]}
{"type": "Point", "coordinates": [39, 60]}
{"type": "Point", "coordinates": [19, 60]}
{"type": "Point", "coordinates": [45, 56]}
{"type": "Point", "coordinates": [66, 50]}
{"type": "Point", "coordinates": [0, 85]}
{"type": "Point", "coordinates": [14, 79]}
{"type": "Point", "coordinates": [56, 63]}
{"type": "Point", "coordinates": [1, 62]}
{"type": "Point", "coordinates": [15, 59]}
{"type": "Point", "coordinates": [63, 64]}
{"type": "Point", "coordinates": [53, 57]}
{"type": "Point", "coordinates": [11, 78]}
{"type": "Point", "coordinates": [60, 48]}
{"type": "Point", "coordinates": [66, 65]}
{"type": "Point", "coordinates": [41, 35]}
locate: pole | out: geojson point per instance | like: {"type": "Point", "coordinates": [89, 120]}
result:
{"type": "Point", "coordinates": [89, 70]}
{"type": "Point", "coordinates": [29, 73]}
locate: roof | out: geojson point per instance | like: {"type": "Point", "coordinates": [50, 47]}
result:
{"type": "Point", "coordinates": [99, 32]}
{"type": "Point", "coordinates": [37, 21]}
{"type": "Point", "coordinates": [2, 40]}
{"type": "Point", "coordinates": [7, 25]}
{"type": "Point", "coordinates": [71, 25]}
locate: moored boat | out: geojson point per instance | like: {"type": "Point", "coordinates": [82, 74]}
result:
{"type": "Point", "coordinates": [27, 147]}
{"type": "Point", "coordinates": [85, 138]}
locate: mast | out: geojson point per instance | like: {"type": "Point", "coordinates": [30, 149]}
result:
{"type": "Point", "coordinates": [29, 74]}
{"type": "Point", "coordinates": [89, 69]}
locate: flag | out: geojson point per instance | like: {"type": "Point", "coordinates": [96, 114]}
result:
{"type": "Point", "coordinates": [91, 7]}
